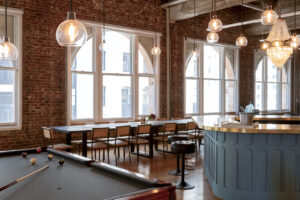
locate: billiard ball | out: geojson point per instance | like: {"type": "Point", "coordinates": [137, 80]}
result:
{"type": "Point", "coordinates": [33, 161]}
{"type": "Point", "coordinates": [61, 161]}
{"type": "Point", "coordinates": [38, 150]}
{"type": "Point", "coordinates": [24, 154]}
{"type": "Point", "coordinates": [50, 156]}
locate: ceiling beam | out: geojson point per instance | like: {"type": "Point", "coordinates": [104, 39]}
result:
{"type": "Point", "coordinates": [172, 3]}
{"type": "Point", "coordinates": [249, 5]}
{"type": "Point", "coordinates": [254, 21]}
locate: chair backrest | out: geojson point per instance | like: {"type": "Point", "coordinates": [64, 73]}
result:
{"type": "Point", "coordinates": [161, 119]}
{"type": "Point", "coordinates": [100, 133]}
{"type": "Point", "coordinates": [143, 129]}
{"type": "Point", "coordinates": [176, 118]}
{"type": "Point", "coordinates": [191, 126]}
{"type": "Point", "coordinates": [123, 130]}
{"type": "Point", "coordinates": [47, 133]}
{"type": "Point", "coordinates": [170, 127]}
{"type": "Point", "coordinates": [103, 122]}
{"type": "Point", "coordinates": [77, 123]}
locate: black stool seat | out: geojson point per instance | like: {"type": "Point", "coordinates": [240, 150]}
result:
{"type": "Point", "coordinates": [173, 138]}
{"type": "Point", "coordinates": [183, 147]}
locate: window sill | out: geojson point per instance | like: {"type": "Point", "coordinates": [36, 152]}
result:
{"type": "Point", "coordinates": [12, 127]}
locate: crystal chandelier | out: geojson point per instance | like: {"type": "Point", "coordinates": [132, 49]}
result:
{"type": "Point", "coordinates": [8, 51]}
{"type": "Point", "coordinates": [71, 32]}
{"type": "Point", "coordinates": [278, 44]}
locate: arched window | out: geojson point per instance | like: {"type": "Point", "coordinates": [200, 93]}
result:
{"type": "Point", "coordinates": [272, 86]}
{"type": "Point", "coordinates": [118, 83]}
{"type": "Point", "coordinates": [210, 79]}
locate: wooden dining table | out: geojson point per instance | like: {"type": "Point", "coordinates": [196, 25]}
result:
{"type": "Point", "coordinates": [85, 129]}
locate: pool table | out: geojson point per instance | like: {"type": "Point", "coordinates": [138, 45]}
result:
{"type": "Point", "coordinates": [78, 178]}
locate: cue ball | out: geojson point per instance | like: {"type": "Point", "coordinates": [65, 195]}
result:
{"type": "Point", "coordinates": [61, 161]}
{"type": "Point", "coordinates": [24, 154]}
{"type": "Point", "coordinates": [50, 156]}
{"type": "Point", "coordinates": [33, 161]}
{"type": "Point", "coordinates": [38, 150]}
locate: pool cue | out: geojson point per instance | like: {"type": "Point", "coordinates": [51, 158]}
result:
{"type": "Point", "coordinates": [22, 178]}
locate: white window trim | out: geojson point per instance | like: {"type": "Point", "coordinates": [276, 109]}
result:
{"type": "Point", "coordinates": [200, 78]}
{"type": "Point", "coordinates": [18, 30]}
{"type": "Point", "coordinates": [98, 73]}
{"type": "Point", "coordinates": [261, 56]}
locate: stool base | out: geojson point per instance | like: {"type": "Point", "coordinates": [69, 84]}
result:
{"type": "Point", "coordinates": [177, 172]}
{"type": "Point", "coordinates": [184, 186]}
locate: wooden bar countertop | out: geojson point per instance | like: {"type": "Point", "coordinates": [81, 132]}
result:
{"type": "Point", "coordinates": [214, 122]}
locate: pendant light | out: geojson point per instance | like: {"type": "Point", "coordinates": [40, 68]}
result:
{"type": "Point", "coordinates": [103, 46]}
{"type": "Point", "coordinates": [195, 51]}
{"type": "Point", "coordinates": [294, 41]}
{"type": "Point", "coordinates": [8, 51]}
{"type": "Point", "coordinates": [155, 50]}
{"type": "Point", "coordinates": [214, 26]}
{"type": "Point", "coordinates": [242, 41]}
{"type": "Point", "coordinates": [269, 16]}
{"type": "Point", "coordinates": [71, 32]}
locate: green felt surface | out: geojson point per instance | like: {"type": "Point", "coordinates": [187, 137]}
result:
{"type": "Point", "coordinates": [71, 181]}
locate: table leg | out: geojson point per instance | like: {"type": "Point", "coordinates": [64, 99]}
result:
{"type": "Point", "coordinates": [68, 140]}
{"type": "Point", "coordinates": [84, 144]}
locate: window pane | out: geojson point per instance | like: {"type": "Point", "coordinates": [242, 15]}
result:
{"type": "Point", "coordinates": [146, 95]}
{"type": "Point", "coordinates": [285, 96]}
{"type": "Point", "coordinates": [7, 96]}
{"type": "Point", "coordinates": [272, 98]}
{"type": "Point", "coordinates": [192, 69]}
{"type": "Point", "coordinates": [191, 96]}
{"type": "Point", "coordinates": [84, 58]}
{"type": "Point", "coordinates": [258, 95]}
{"type": "Point", "coordinates": [259, 71]}
{"type": "Point", "coordinates": [118, 54]}
{"type": "Point", "coordinates": [273, 72]}
{"type": "Point", "coordinates": [211, 61]}
{"type": "Point", "coordinates": [230, 103]}
{"type": "Point", "coordinates": [145, 56]}
{"type": "Point", "coordinates": [145, 64]}
{"type": "Point", "coordinates": [211, 96]}
{"type": "Point", "coordinates": [284, 74]}
{"type": "Point", "coordinates": [229, 64]}
{"type": "Point", "coordinates": [117, 96]}
{"type": "Point", "coordinates": [82, 96]}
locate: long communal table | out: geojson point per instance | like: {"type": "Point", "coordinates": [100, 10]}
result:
{"type": "Point", "coordinates": [85, 129]}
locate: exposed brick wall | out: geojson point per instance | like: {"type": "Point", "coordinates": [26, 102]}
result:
{"type": "Point", "coordinates": [44, 62]}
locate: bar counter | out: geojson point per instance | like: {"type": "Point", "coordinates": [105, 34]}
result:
{"type": "Point", "coordinates": [261, 163]}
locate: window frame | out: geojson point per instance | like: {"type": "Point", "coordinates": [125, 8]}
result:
{"type": "Point", "coordinates": [222, 77]}
{"type": "Point", "coordinates": [262, 57]}
{"type": "Point", "coordinates": [98, 78]}
{"type": "Point", "coordinates": [18, 30]}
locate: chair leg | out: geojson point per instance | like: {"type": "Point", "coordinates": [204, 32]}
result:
{"type": "Point", "coordinates": [119, 153]}
{"type": "Point", "coordinates": [116, 156]}
{"type": "Point", "coordinates": [124, 148]}
{"type": "Point", "coordinates": [103, 155]}
{"type": "Point", "coordinates": [138, 152]}
{"type": "Point", "coordinates": [129, 153]}
{"type": "Point", "coordinates": [99, 155]}
{"type": "Point", "coordinates": [108, 155]}
{"type": "Point", "coordinates": [163, 148]}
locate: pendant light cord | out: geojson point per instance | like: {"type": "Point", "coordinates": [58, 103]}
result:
{"type": "Point", "coordinates": [194, 25]}
{"type": "Point", "coordinates": [212, 8]}
{"type": "Point", "coordinates": [242, 16]}
{"type": "Point", "coordinates": [262, 26]}
{"type": "Point", "coordinates": [5, 18]}
{"type": "Point", "coordinates": [295, 7]}
{"type": "Point", "coordinates": [104, 14]}
{"type": "Point", "coordinates": [155, 40]}
{"type": "Point", "coordinates": [71, 5]}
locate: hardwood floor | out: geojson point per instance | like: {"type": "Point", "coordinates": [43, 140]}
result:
{"type": "Point", "coordinates": [158, 167]}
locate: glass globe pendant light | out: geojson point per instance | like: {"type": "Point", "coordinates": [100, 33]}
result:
{"type": "Point", "coordinates": [195, 52]}
{"type": "Point", "coordinates": [241, 41]}
{"type": "Point", "coordinates": [71, 32]}
{"type": "Point", "coordinates": [8, 51]}
{"type": "Point", "coordinates": [212, 37]}
{"type": "Point", "coordinates": [269, 16]}
{"type": "Point", "coordinates": [155, 50]}
{"type": "Point", "coordinates": [294, 40]}
{"type": "Point", "coordinates": [103, 46]}
{"type": "Point", "coordinates": [214, 25]}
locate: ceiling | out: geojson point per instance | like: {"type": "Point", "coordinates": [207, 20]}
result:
{"type": "Point", "coordinates": [184, 9]}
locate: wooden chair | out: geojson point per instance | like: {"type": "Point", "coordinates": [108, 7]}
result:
{"type": "Point", "coordinates": [169, 129]}
{"type": "Point", "coordinates": [78, 142]}
{"type": "Point", "coordinates": [141, 137]}
{"type": "Point", "coordinates": [121, 139]}
{"type": "Point", "coordinates": [194, 133]}
{"type": "Point", "coordinates": [176, 118]}
{"type": "Point", "coordinates": [48, 135]}
{"type": "Point", "coordinates": [99, 133]}
{"type": "Point", "coordinates": [161, 119]}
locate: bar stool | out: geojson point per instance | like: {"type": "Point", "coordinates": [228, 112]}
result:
{"type": "Point", "coordinates": [183, 147]}
{"type": "Point", "coordinates": [173, 138]}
